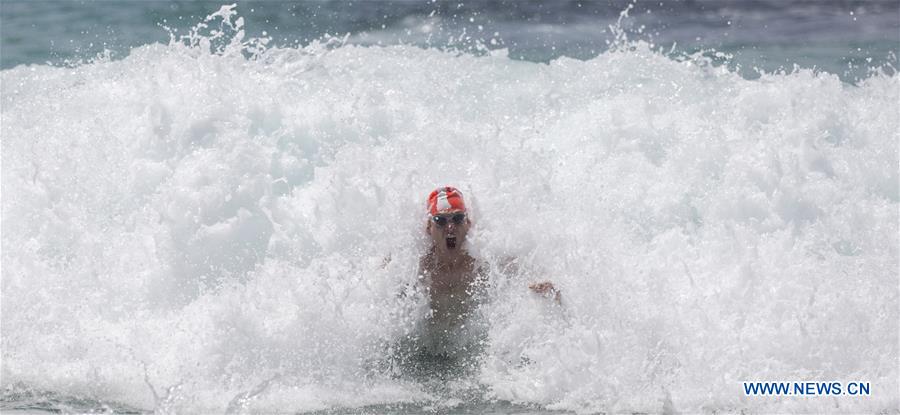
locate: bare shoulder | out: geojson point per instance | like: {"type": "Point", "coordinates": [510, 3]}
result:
{"type": "Point", "coordinates": [426, 262]}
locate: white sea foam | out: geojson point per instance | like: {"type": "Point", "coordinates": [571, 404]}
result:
{"type": "Point", "coordinates": [194, 231]}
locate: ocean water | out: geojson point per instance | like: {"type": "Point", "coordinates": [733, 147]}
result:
{"type": "Point", "coordinates": [848, 38]}
{"type": "Point", "coordinates": [196, 215]}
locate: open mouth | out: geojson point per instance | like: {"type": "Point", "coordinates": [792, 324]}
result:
{"type": "Point", "coordinates": [451, 242]}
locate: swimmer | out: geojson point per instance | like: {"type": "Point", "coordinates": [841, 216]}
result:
{"type": "Point", "coordinates": [449, 272]}
{"type": "Point", "coordinates": [453, 284]}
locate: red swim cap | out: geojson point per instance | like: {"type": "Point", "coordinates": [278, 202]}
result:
{"type": "Point", "coordinates": [445, 199]}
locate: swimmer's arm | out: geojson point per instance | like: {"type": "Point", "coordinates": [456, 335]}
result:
{"type": "Point", "coordinates": [545, 289]}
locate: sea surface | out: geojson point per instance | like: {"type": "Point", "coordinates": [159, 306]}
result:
{"type": "Point", "coordinates": [845, 38]}
{"type": "Point", "coordinates": [219, 208]}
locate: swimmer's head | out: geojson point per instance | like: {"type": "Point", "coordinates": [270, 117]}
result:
{"type": "Point", "coordinates": [448, 220]}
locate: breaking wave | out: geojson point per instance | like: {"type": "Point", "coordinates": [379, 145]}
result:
{"type": "Point", "coordinates": [203, 226]}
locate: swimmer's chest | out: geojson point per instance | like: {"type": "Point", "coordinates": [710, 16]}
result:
{"type": "Point", "coordinates": [453, 301]}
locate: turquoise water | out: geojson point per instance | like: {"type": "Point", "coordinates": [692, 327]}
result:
{"type": "Point", "coordinates": [847, 38]}
{"type": "Point", "coordinates": [197, 221]}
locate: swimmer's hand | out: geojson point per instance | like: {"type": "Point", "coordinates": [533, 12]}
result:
{"type": "Point", "coordinates": [547, 290]}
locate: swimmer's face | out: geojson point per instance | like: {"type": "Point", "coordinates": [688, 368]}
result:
{"type": "Point", "coordinates": [448, 231]}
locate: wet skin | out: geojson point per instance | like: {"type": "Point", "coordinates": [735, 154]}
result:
{"type": "Point", "coordinates": [450, 271]}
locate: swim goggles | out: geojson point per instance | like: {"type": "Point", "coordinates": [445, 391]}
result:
{"type": "Point", "coordinates": [456, 218]}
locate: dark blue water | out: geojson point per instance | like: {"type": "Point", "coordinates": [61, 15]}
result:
{"type": "Point", "coordinates": [847, 38]}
